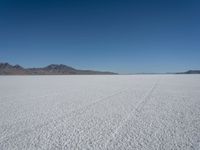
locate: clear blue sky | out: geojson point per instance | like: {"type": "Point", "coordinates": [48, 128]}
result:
{"type": "Point", "coordinates": [124, 36]}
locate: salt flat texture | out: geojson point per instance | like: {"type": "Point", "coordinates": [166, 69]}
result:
{"type": "Point", "coordinates": [145, 112]}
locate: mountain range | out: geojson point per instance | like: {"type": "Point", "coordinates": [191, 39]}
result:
{"type": "Point", "coordinates": [53, 69]}
{"type": "Point", "coordinates": [60, 69]}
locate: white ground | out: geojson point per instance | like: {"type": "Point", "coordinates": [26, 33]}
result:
{"type": "Point", "coordinates": [100, 112]}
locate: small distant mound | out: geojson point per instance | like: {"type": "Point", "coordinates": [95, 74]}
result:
{"type": "Point", "coordinates": [190, 72]}
{"type": "Point", "coordinates": [53, 69]}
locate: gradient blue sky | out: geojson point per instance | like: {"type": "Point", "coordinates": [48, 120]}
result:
{"type": "Point", "coordinates": [125, 36]}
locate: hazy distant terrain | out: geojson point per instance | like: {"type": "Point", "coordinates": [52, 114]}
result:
{"type": "Point", "coordinates": [190, 72]}
{"type": "Point", "coordinates": [100, 112]}
{"type": "Point", "coordinates": [53, 69]}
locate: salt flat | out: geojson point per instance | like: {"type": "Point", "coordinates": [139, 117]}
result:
{"type": "Point", "coordinates": [100, 112]}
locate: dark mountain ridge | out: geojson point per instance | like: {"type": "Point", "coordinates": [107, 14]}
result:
{"type": "Point", "coordinates": [53, 69]}
{"type": "Point", "coordinates": [190, 72]}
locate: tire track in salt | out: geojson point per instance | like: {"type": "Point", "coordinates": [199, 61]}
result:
{"type": "Point", "coordinates": [76, 112]}
{"type": "Point", "coordinates": [136, 109]}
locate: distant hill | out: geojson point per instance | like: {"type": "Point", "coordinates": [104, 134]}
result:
{"type": "Point", "coordinates": [53, 69]}
{"type": "Point", "coordinates": [190, 72]}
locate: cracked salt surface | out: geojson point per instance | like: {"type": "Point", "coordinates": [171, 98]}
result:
{"type": "Point", "coordinates": [100, 112]}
